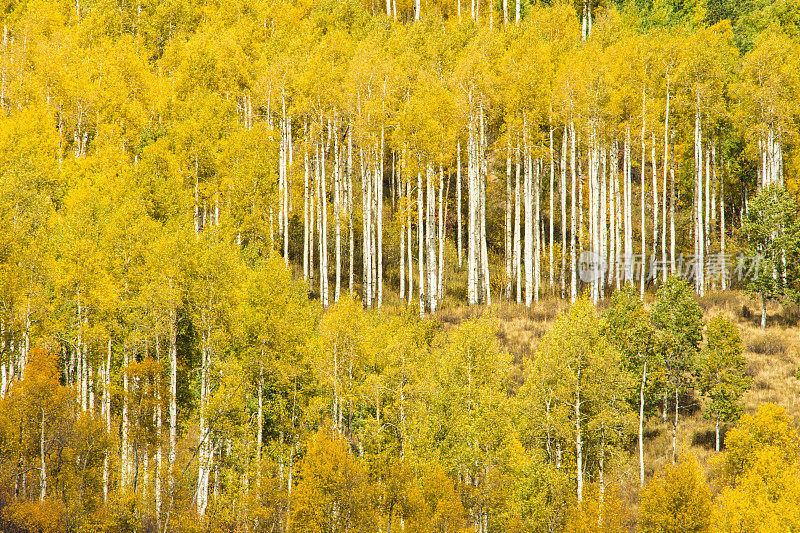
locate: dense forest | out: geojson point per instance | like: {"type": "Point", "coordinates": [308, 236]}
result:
{"type": "Point", "coordinates": [293, 265]}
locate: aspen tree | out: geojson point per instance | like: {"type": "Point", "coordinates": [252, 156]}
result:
{"type": "Point", "coordinates": [537, 250]}
{"type": "Point", "coordinates": [472, 266]}
{"type": "Point", "coordinates": [550, 204]}
{"type": "Point", "coordinates": [430, 234]}
{"type": "Point", "coordinates": [628, 217]}
{"type": "Point", "coordinates": [643, 180]}
{"type": "Point", "coordinates": [323, 225]}
{"type": "Point", "coordinates": [459, 228]}
{"type": "Point", "coordinates": [366, 260]}
{"type": "Point", "coordinates": [482, 178]}
{"type": "Point", "coordinates": [410, 253]}
{"type": "Point", "coordinates": [350, 228]}
{"type": "Point", "coordinates": [563, 195]}
{"type": "Point", "coordinates": [604, 216]}
{"type": "Point", "coordinates": [613, 214]}
{"type": "Point", "coordinates": [402, 218]}
{"type": "Point", "coordinates": [441, 219]}
{"type": "Point", "coordinates": [420, 242]}
{"type": "Point", "coordinates": [724, 281]}
{"type": "Point", "coordinates": [573, 285]}
{"type": "Point", "coordinates": [664, 188]}
{"type": "Point", "coordinates": [528, 195]}
{"type": "Point", "coordinates": [517, 226]}
{"type": "Point", "coordinates": [672, 268]}
{"type": "Point", "coordinates": [306, 215]}
{"type": "Point", "coordinates": [379, 220]}
{"type": "Point", "coordinates": [337, 211]}
{"type": "Point", "coordinates": [699, 205]}
{"type": "Point", "coordinates": [509, 204]}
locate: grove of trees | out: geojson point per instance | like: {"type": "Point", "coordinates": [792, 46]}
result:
{"type": "Point", "coordinates": [226, 229]}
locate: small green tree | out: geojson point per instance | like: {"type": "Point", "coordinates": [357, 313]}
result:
{"type": "Point", "coordinates": [630, 331]}
{"type": "Point", "coordinates": [678, 323]}
{"type": "Point", "coordinates": [722, 377]}
{"type": "Point", "coordinates": [772, 238]}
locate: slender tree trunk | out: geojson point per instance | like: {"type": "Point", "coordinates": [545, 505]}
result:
{"type": "Point", "coordinates": [483, 177]}
{"type": "Point", "coordinates": [643, 181]}
{"type": "Point", "coordinates": [675, 428]}
{"type": "Point", "coordinates": [628, 210]}
{"type": "Point", "coordinates": [641, 424]}
{"type": "Point", "coordinates": [517, 227]}
{"type": "Point", "coordinates": [528, 188]}
{"type": "Point", "coordinates": [550, 205]}
{"type": "Point", "coordinates": [430, 232]}
{"type": "Point", "coordinates": [664, 189]}
{"type": "Point", "coordinates": [260, 419]}
{"type": "Point", "coordinates": [125, 445]}
{"type": "Point", "coordinates": [578, 445]}
{"type": "Point", "coordinates": [459, 227]}
{"type": "Point", "coordinates": [107, 417]}
{"type": "Point", "coordinates": [305, 218]}
{"type": "Point", "coordinates": [563, 195]}
{"type": "Point", "coordinates": [173, 397]}
{"type": "Point", "coordinates": [509, 207]}
{"type": "Point", "coordinates": [573, 286]}
{"type": "Point", "coordinates": [43, 467]}
{"type": "Point", "coordinates": [472, 291]}
{"type": "Point", "coordinates": [537, 248]}
{"type": "Point", "coordinates": [699, 211]}
{"type": "Point", "coordinates": [672, 268]}
{"type": "Point", "coordinates": [401, 217]}
{"type": "Point", "coordinates": [722, 231]}
{"type": "Point", "coordinates": [158, 423]}
{"type": "Point", "coordinates": [421, 244]}
{"type": "Point", "coordinates": [601, 482]}
{"type": "Point", "coordinates": [442, 229]}
{"type": "Point", "coordinates": [350, 205]}
{"type": "Point", "coordinates": [379, 220]}
{"type": "Point", "coordinates": [337, 211]}
{"type": "Point", "coordinates": [410, 240]}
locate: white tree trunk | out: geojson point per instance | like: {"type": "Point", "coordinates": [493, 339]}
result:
{"type": "Point", "coordinates": [672, 204]}
{"type": "Point", "coordinates": [323, 238]}
{"type": "Point", "coordinates": [699, 204]}
{"type": "Point", "coordinates": [563, 194]}
{"type": "Point", "coordinates": [459, 227]}
{"type": "Point", "coordinates": [125, 445]}
{"type": "Point", "coordinates": [550, 205]}
{"type": "Point", "coordinates": [537, 248]}
{"type": "Point", "coordinates": [573, 286]}
{"type": "Point", "coordinates": [379, 221]}
{"type": "Point", "coordinates": [350, 205]}
{"type": "Point", "coordinates": [43, 465]}
{"type": "Point", "coordinates": [528, 194]}
{"type": "Point", "coordinates": [173, 396]}
{"type": "Point", "coordinates": [430, 234]}
{"type": "Point", "coordinates": [517, 226]}
{"type": "Point", "coordinates": [421, 244]}
{"type": "Point", "coordinates": [337, 212]}
{"type": "Point", "coordinates": [483, 178]}
{"type": "Point", "coordinates": [509, 207]}
{"type": "Point", "coordinates": [643, 179]}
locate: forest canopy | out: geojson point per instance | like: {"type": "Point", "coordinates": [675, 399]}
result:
{"type": "Point", "coordinates": [258, 262]}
